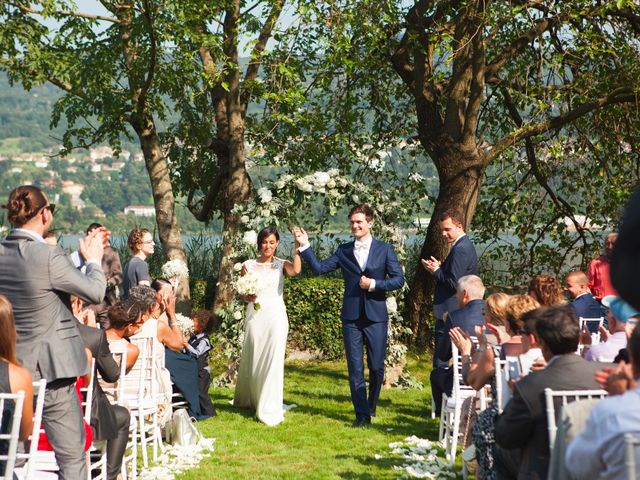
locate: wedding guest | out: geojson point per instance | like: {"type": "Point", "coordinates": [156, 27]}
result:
{"type": "Point", "coordinates": [462, 260]}
{"type": "Point", "coordinates": [112, 269]}
{"type": "Point", "coordinates": [199, 347]}
{"type": "Point", "coordinates": [598, 450]}
{"type": "Point", "coordinates": [467, 317]}
{"type": "Point", "coordinates": [479, 369]}
{"type": "Point", "coordinates": [13, 379]}
{"type": "Point", "coordinates": [523, 423]}
{"type": "Point", "coordinates": [517, 306]}
{"type": "Point", "coordinates": [161, 336]}
{"type": "Point", "coordinates": [136, 271]}
{"type": "Point", "coordinates": [622, 318]}
{"type": "Point", "coordinates": [37, 279]}
{"type": "Point", "coordinates": [370, 268]}
{"type": "Point", "coordinates": [585, 306]}
{"type": "Point", "coordinates": [125, 320]}
{"type": "Point", "coordinates": [599, 275]}
{"type": "Point", "coordinates": [110, 422]}
{"type": "Point", "coordinates": [547, 290]}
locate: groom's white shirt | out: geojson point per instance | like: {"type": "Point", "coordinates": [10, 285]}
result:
{"type": "Point", "coordinates": [360, 251]}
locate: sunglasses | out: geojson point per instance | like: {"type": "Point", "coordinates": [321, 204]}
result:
{"type": "Point", "coordinates": [51, 207]}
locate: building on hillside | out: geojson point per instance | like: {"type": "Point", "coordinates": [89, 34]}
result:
{"type": "Point", "coordinates": [74, 190]}
{"type": "Point", "coordinates": [100, 153]}
{"type": "Point", "coordinates": [141, 210]}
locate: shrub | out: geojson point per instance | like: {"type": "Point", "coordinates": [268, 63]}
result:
{"type": "Point", "coordinates": [313, 307]}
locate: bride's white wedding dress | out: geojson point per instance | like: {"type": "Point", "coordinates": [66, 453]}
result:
{"type": "Point", "coordinates": [261, 376]}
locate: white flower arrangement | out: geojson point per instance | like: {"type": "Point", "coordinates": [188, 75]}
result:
{"type": "Point", "coordinates": [186, 324]}
{"type": "Point", "coordinates": [250, 237]}
{"type": "Point", "coordinates": [175, 268]}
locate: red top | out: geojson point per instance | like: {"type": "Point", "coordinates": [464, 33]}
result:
{"type": "Point", "coordinates": [43, 441]}
{"type": "Point", "coordinates": [599, 278]}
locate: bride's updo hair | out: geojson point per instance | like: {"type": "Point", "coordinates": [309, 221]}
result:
{"type": "Point", "coordinates": [267, 232]}
{"type": "Point", "coordinates": [24, 203]}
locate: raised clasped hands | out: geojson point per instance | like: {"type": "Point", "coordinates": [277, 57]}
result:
{"type": "Point", "coordinates": [431, 264]}
{"type": "Point", "coordinates": [93, 245]}
{"type": "Point", "coordinates": [300, 236]}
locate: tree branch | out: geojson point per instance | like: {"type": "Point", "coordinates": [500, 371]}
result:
{"type": "Point", "coordinates": [256, 54]}
{"type": "Point", "coordinates": [619, 95]}
{"type": "Point", "coordinates": [562, 205]}
{"type": "Point", "coordinates": [65, 13]}
{"type": "Point", "coordinates": [153, 57]}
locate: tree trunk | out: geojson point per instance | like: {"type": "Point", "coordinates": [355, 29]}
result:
{"type": "Point", "coordinates": [461, 174]}
{"type": "Point", "coordinates": [163, 200]}
{"type": "Point", "coordinates": [236, 190]}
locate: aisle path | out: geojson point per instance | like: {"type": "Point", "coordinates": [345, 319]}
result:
{"type": "Point", "coordinates": [316, 441]}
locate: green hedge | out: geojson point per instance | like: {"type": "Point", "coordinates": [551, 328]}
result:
{"type": "Point", "coordinates": [313, 307]}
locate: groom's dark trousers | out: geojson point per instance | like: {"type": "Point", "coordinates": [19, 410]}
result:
{"type": "Point", "coordinates": [364, 315]}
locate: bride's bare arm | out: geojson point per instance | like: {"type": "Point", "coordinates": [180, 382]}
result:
{"type": "Point", "coordinates": [294, 267]}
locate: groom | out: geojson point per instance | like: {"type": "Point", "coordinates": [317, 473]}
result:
{"type": "Point", "coordinates": [370, 268]}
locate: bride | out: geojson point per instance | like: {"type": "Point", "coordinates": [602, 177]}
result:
{"type": "Point", "coordinates": [261, 377]}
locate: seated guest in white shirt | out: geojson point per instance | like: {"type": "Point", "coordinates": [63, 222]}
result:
{"type": "Point", "coordinates": [598, 451]}
{"type": "Point", "coordinates": [622, 318]}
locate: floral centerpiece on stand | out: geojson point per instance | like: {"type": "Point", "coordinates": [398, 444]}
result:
{"type": "Point", "coordinates": [174, 271]}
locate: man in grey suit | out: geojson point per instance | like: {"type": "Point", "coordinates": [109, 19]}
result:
{"type": "Point", "coordinates": [37, 278]}
{"type": "Point", "coordinates": [523, 424]}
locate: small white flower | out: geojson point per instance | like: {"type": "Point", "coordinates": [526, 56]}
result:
{"type": "Point", "coordinates": [265, 195]}
{"type": "Point", "coordinates": [280, 184]}
{"type": "Point", "coordinates": [343, 182]}
{"type": "Point", "coordinates": [237, 266]}
{"type": "Point", "coordinates": [331, 183]}
{"type": "Point", "coordinates": [334, 172]}
{"type": "Point", "coordinates": [237, 315]}
{"type": "Point", "coordinates": [265, 212]}
{"type": "Point", "coordinates": [244, 219]}
{"type": "Point", "coordinates": [392, 306]}
{"type": "Point", "coordinates": [250, 237]}
{"type": "Point", "coordinates": [355, 198]}
{"type": "Point", "coordinates": [321, 178]}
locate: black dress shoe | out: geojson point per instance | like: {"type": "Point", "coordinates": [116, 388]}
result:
{"type": "Point", "coordinates": [362, 423]}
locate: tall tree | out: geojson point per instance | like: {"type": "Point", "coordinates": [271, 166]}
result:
{"type": "Point", "coordinates": [107, 67]}
{"type": "Point", "coordinates": [487, 81]}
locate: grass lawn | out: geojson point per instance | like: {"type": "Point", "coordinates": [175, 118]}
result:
{"type": "Point", "coordinates": [316, 440]}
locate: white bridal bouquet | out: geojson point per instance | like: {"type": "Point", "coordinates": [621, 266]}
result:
{"type": "Point", "coordinates": [249, 284]}
{"type": "Point", "coordinates": [186, 325]}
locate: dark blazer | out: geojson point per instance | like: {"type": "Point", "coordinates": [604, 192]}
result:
{"type": "Point", "coordinates": [37, 278]}
{"type": "Point", "coordinates": [103, 419]}
{"type": "Point", "coordinates": [382, 266]}
{"type": "Point", "coordinates": [523, 424]}
{"type": "Point", "coordinates": [586, 306]}
{"type": "Point", "coordinates": [466, 318]}
{"type": "Point", "coordinates": [462, 260]}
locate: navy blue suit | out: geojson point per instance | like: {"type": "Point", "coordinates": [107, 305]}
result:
{"type": "Point", "coordinates": [466, 318]}
{"type": "Point", "coordinates": [462, 260]}
{"type": "Point", "coordinates": [364, 315]}
{"type": "Point", "coordinates": [586, 306]}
